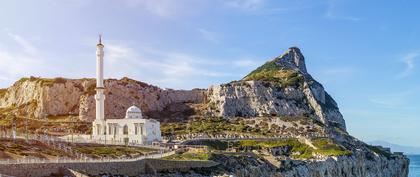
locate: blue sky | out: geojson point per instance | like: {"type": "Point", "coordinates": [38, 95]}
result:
{"type": "Point", "coordinates": [365, 53]}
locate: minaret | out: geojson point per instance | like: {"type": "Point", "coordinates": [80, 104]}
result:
{"type": "Point", "coordinates": [100, 97]}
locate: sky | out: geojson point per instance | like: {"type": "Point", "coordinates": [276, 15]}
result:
{"type": "Point", "coordinates": [365, 53]}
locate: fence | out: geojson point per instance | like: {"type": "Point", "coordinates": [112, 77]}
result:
{"type": "Point", "coordinates": [80, 139]}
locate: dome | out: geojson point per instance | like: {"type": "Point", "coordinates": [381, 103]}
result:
{"type": "Point", "coordinates": [133, 112]}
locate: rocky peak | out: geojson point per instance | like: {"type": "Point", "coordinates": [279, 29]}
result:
{"type": "Point", "coordinates": [286, 69]}
{"type": "Point", "coordinates": [280, 87]}
{"type": "Point", "coordinates": [292, 59]}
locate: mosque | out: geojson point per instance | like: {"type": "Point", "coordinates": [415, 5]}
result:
{"type": "Point", "coordinates": [131, 129]}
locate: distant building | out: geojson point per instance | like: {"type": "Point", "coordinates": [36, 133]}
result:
{"type": "Point", "coordinates": [386, 149]}
{"type": "Point", "coordinates": [131, 129]}
{"type": "Point", "coordinates": [399, 153]}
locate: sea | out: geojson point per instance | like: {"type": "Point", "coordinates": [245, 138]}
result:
{"type": "Point", "coordinates": [414, 166]}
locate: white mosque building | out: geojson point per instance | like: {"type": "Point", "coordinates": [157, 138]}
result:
{"type": "Point", "coordinates": [131, 129]}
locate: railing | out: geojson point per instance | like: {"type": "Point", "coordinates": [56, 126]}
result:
{"type": "Point", "coordinates": [80, 139]}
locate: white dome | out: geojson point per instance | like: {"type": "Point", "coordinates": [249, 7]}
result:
{"type": "Point", "coordinates": [133, 112]}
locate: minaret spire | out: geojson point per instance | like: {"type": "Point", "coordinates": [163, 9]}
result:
{"type": "Point", "coordinates": [100, 96]}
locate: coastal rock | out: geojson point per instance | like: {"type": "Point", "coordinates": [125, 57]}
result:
{"type": "Point", "coordinates": [353, 166]}
{"type": "Point", "coordinates": [346, 166]}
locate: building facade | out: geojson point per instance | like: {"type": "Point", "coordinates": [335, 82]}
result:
{"type": "Point", "coordinates": [133, 128]}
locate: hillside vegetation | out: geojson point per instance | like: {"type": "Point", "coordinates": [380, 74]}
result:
{"type": "Point", "coordinates": [271, 72]}
{"type": "Point", "coordinates": [20, 148]}
{"type": "Point", "coordinates": [262, 126]}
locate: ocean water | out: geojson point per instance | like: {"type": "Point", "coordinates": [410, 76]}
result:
{"type": "Point", "coordinates": [414, 166]}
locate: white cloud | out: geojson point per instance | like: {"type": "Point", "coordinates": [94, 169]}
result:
{"type": "Point", "coordinates": [18, 63]}
{"type": "Point", "coordinates": [169, 69]}
{"type": "Point", "coordinates": [155, 66]}
{"type": "Point", "coordinates": [245, 4]}
{"type": "Point", "coordinates": [332, 12]}
{"type": "Point", "coordinates": [25, 44]}
{"type": "Point", "coordinates": [162, 8]}
{"type": "Point", "coordinates": [409, 61]}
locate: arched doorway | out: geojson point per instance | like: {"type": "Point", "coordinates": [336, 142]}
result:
{"type": "Point", "coordinates": [125, 130]}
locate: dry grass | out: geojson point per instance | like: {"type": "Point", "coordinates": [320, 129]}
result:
{"type": "Point", "coordinates": [19, 148]}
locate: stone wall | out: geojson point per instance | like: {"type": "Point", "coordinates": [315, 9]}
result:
{"type": "Point", "coordinates": [134, 168]}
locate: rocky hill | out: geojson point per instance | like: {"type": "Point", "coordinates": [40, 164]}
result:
{"type": "Point", "coordinates": [42, 98]}
{"type": "Point", "coordinates": [281, 87]}
{"type": "Point", "coordinates": [281, 99]}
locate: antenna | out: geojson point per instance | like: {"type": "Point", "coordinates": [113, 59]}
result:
{"type": "Point", "coordinates": [100, 38]}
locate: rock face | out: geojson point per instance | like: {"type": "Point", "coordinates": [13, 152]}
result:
{"type": "Point", "coordinates": [281, 87]}
{"type": "Point", "coordinates": [53, 97]}
{"type": "Point", "coordinates": [354, 166]}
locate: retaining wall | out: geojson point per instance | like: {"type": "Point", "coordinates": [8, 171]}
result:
{"type": "Point", "coordinates": [134, 168]}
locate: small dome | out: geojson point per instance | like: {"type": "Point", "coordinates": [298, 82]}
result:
{"type": "Point", "coordinates": [133, 112]}
{"type": "Point", "coordinates": [134, 109]}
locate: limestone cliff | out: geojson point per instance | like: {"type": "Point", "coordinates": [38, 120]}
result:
{"type": "Point", "coordinates": [41, 97]}
{"type": "Point", "coordinates": [281, 87]}
{"type": "Point", "coordinates": [250, 166]}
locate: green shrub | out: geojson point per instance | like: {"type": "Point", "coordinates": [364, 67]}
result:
{"type": "Point", "coordinates": [91, 89]}
{"type": "Point", "coordinates": [209, 126]}
{"type": "Point", "coordinates": [21, 80]}
{"type": "Point", "coordinates": [270, 72]}
{"type": "Point", "coordinates": [328, 148]}
{"type": "Point", "coordinates": [215, 144]}
{"type": "Point", "coordinates": [298, 149]}
{"type": "Point", "coordinates": [113, 151]}
{"type": "Point", "coordinates": [50, 82]}
{"type": "Point", "coordinates": [379, 151]}
{"type": "Point", "coordinates": [60, 80]}
{"type": "Point", "coordinates": [188, 156]}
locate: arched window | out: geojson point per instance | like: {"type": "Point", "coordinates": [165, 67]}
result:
{"type": "Point", "coordinates": [136, 128]}
{"type": "Point", "coordinates": [125, 130]}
